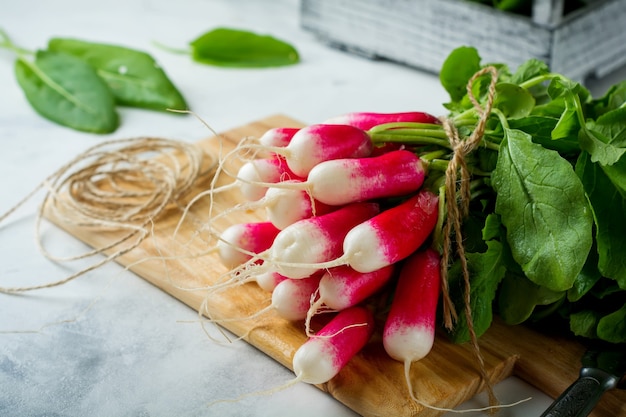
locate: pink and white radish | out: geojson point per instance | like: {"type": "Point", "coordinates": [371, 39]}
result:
{"type": "Point", "coordinates": [342, 287]}
{"type": "Point", "coordinates": [285, 206]}
{"type": "Point", "coordinates": [278, 136]}
{"type": "Point", "coordinates": [392, 235]}
{"type": "Point", "coordinates": [268, 280]}
{"type": "Point", "coordinates": [321, 357]}
{"type": "Point", "coordinates": [317, 143]}
{"type": "Point", "coordinates": [367, 120]}
{"type": "Point", "coordinates": [254, 176]}
{"type": "Point", "coordinates": [343, 181]}
{"type": "Point", "coordinates": [240, 242]}
{"type": "Point", "coordinates": [291, 298]}
{"type": "Point", "coordinates": [316, 239]}
{"type": "Point", "coordinates": [409, 331]}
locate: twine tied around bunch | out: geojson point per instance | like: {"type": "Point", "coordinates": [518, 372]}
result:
{"type": "Point", "coordinates": [457, 195]}
{"type": "Point", "coordinates": [116, 185]}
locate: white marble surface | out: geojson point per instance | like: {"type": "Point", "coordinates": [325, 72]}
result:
{"type": "Point", "coordinates": [109, 344]}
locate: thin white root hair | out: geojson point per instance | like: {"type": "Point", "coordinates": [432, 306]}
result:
{"type": "Point", "coordinates": [317, 307]}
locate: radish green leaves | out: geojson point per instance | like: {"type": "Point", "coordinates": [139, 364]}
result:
{"type": "Point", "coordinates": [554, 202]}
{"type": "Point", "coordinates": [79, 84]}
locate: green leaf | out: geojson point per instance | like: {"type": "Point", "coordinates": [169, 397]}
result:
{"type": "Point", "coordinates": [518, 297]}
{"type": "Point", "coordinates": [568, 125]}
{"type": "Point", "coordinates": [66, 90]}
{"type": "Point", "coordinates": [612, 327]}
{"type": "Point", "coordinates": [530, 69]}
{"type": "Point", "coordinates": [487, 270]}
{"type": "Point", "coordinates": [605, 138]}
{"type": "Point", "coordinates": [587, 278]}
{"type": "Point", "coordinates": [612, 125]}
{"type": "Point", "coordinates": [239, 48]}
{"type": "Point", "coordinates": [510, 5]}
{"type": "Point", "coordinates": [540, 129]}
{"type": "Point", "coordinates": [617, 174]}
{"type": "Point", "coordinates": [543, 206]}
{"type": "Point", "coordinates": [133, 76]}
{"type": "Point", "coordinates": [613, 99]}
{"type": "Point", "coordinates": [584, 323]}
{"type": "Point", "coordinates": [609, 214]}
{"type": "Point", "coordinates": [599, 146]}
{"type": "Point", "coordinates": [458, 68]}
{"type": "Point", "coordinates": [514, 101]}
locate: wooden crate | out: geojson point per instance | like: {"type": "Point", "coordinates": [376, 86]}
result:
{"type": "Point", "coordinates": [590, 41]}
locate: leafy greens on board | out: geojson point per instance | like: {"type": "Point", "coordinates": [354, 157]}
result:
{"type": "Point", "coordinates": [546, 233]}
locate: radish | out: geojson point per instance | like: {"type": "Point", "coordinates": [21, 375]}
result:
{"type": "Point", "coordinates": [316, 239]}
{"type": "Point", "coordinates": [285, 206]}
{"type": "Point", "coordinates": [278, 136]}
{"type": "Point", "coordinates": [291, 298]}
{"type": "Point", "coordinates": [342, 287]}
{"type": "Point", "coordinates": [391, 235]}
{"type": "Point", "coordinates": [240, 242]}
{"type": "Point", "coordinates": [321, 357]}
{"type": "Point", "coordinates": [342, 181]}
{"type": "Point", "coordinates": [409, 331]}
{"type": "Point", "coordinates": [254, 175]}
{"type": "Point", "coordinates": [269, 280]}
{"type": "Point", "coordinates": [316, 143]}
{"type": "Point", "coordinates": [367, 120]}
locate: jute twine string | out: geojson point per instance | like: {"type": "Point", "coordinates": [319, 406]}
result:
{"type": "Point", "coordinates": [123, 189]}
{"type": "Point", "coordinates": [458, 194]}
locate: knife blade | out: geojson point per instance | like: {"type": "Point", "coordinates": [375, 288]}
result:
{"type": "Point", "coordinates": [602, 370]}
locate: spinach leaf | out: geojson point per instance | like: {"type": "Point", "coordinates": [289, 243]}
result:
{"type": "Point", "coordinates": [612, 125]}
{"type": "Point", "coordinates": [133, 76]}
{"type": "Point", "coordinates": [529, 69]}
{"type": "Point", "coordinates": [617, 174]}
{"type": "Point", "coordinates": [457, 69]}
{"type": "Point", "coordinates": [239, 48]}
{"type": "Point", "coordinates": [514, 101]}
{"type": "Point", "coordinates": [487, 270]}
{"type": "Point", "coordinates": [605, 138]}
{"type": "Point", "coordinates": [518, 297]}
{"type": "Point", "coordinates": [568, 125]}
{"type": "Point", "coordinates": [609, 214]}
{"type": "Point", "coordinates": [613, 99]}
{"type": "Point", "coordinates": [587, 278]}
{"type": "Point", "coordinates": [543, 206]}
{"type": "Point", "coordinates": [584, 323]}
{"type": "Point", "coordinates": [599, 146]}
{"type": "Point", "coordinates": [540, 128]}
{"type": "Point", "coordinates": [66, 90]}
{"type": "Point", "coordinates": [612, 327]}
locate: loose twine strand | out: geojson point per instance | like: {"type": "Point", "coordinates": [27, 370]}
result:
{"type": "Point", "coordinates": [458, 194]}
{"type": "Point", "coordinates": [122, 189]}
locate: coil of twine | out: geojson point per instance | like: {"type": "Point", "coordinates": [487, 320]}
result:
{"type": "Point", "coordinates": [118, 185]}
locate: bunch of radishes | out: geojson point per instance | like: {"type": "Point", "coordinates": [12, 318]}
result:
{"type": "Point", "coordinates": [345, 217]}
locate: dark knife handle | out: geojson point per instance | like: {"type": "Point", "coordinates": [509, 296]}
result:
{"type": "Point", "coordinates": [582, 396]}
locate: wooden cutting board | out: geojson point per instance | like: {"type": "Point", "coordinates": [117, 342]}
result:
{"type": "Point", "coordinates": [372, 384]}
